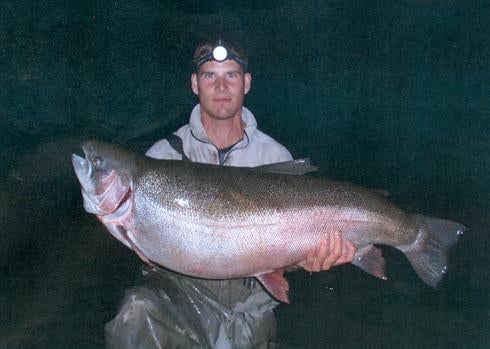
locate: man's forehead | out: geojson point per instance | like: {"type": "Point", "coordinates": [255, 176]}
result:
{"type": "Point", "coordinates": [225, 66]}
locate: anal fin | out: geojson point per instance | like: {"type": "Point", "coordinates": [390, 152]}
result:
{"type": "Point", "coordinates": [370, 259]}
{"type": "Point", "coordinates": [276, 284]}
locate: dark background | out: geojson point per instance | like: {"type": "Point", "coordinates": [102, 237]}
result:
{"type": "Point", "coordinates": [387, 94]}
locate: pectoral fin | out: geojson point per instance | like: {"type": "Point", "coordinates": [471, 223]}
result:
{"type": "Point", "coordinates": [276, 284]}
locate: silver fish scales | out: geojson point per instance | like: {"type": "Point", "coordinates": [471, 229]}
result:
{"type": "Point", "coordinates": [221, 222]}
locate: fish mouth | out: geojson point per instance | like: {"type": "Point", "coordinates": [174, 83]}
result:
{"type": "Point", "coordinates": [83, 171]}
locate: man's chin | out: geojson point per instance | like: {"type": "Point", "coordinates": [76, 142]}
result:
{"type": "Point", "coordinates": [222, 114]}
{"type": "Point", "coordinates": [222, 117]}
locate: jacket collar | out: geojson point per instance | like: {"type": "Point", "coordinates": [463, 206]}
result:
{"type": "Point", "coordinates": [199, 132]}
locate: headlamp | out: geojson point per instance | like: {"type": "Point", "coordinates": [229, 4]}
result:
{"type": "Point", "coordinates": [220, 53]}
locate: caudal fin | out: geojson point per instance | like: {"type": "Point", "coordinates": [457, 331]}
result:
{"type": "Point", "coordinates": [428, 253]}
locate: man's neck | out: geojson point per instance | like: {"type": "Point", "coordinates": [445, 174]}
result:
{"type": "Point", "coordinates": [224, 133]}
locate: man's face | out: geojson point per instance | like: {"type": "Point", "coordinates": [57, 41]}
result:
{"type": "Point", "coordinates": [221, 87]}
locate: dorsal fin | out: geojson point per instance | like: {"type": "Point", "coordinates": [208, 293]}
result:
{"type": "Point", "coordinates": [292, 167]}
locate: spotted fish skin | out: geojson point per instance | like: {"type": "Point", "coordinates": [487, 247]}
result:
{"type": "Point", "coordinates": [220, 222]}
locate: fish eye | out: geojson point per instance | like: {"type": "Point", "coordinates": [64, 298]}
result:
{"type": "Point", "coordinates": [98, 162]}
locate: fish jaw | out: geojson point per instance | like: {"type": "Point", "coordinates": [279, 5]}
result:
{"type": "Point", "coordinates": [83, 171]}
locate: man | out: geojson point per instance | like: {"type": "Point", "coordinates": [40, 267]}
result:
{"type": "Point", "coordinates": [169, 310]}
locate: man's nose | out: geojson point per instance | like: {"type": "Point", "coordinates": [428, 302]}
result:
{"type": "Point", "coordinates": [221, 83]}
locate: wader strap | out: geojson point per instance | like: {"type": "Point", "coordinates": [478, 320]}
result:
{"type": "Point", "coordinates": [176, 143]}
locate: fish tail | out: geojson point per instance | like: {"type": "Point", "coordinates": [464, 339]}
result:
{"type": "Point", "coordinates": [428, 253]}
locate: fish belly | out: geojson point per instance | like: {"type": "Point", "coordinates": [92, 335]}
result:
{"type": "Point", "coordinates": [244, 244]}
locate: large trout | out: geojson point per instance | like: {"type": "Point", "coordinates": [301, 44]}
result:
{"type": "Point", "coordinates": [219, 222]}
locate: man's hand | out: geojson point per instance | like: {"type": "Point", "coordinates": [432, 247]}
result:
{"type": "Point", "coordinates": [332, 251]}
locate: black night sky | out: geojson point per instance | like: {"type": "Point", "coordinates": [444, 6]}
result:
{"type": "Point", "coordinates": [387, 94]}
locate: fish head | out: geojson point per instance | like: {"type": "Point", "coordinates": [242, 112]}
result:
{"type": "Point", "coordinates": [105, 175]}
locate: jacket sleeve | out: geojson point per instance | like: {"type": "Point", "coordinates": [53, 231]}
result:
{"type": "Point", "coordinates": [280, 154]}
{"type": "Point", "coordinates": [269, 151]}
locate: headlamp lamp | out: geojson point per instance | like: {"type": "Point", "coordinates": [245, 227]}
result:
{"type": "Point", "coordinates": [220, 53]}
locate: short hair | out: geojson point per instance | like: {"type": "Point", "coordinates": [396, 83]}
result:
{"type": "Point", "coordinates": [204, 53]}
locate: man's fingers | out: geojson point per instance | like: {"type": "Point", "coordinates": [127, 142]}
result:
{"type": "Point", "coordinates": [332, 250]}
{"type": "Point", "coordinates": [351, 251]}
{"type": "Point", "coordinates": [348, 252]}
{"type": "Point", "coordinates": [310, 259]}
{"type": "Point", "coordinates": [317, 255]}
{"type": "Point", "coordinates": [335, 251]}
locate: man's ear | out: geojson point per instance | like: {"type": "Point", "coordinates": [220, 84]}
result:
{"type": "Point", "coordinates": [195, 89]}
{"type": "Point", "coordinates": [248, 82]}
